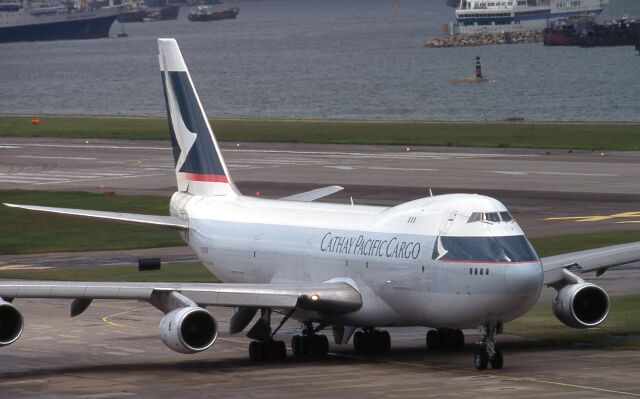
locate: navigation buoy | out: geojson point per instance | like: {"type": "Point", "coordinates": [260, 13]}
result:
{"type": "Point", "coordinates": [476, 79]}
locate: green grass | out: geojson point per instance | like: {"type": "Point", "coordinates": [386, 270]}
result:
{"type": "Point", "coordinates": [623, 319]}
{"type": "Point", "coordinates": [611, 136]}
{"type": "Point", "coordinates": [35, 232]}
{"type": "Point", "coordinates": [193, 272]}
{"type": "Point", "coordinates": [556, 245]}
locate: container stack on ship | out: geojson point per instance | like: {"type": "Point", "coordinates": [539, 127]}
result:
{"type": "Point", "coordinates": [34, 22]}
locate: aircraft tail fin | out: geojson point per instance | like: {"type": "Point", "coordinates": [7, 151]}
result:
{"type": "Point", "coordinates": [200, 168]}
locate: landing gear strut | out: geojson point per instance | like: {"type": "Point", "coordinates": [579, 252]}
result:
{"type": "Point", "coordinates": [371, 341]}
{"type": "Point", "coordinates": [445, 340]}
{"type": "Point", "coordinates": [264, 347]}
{"type": "Point", "coordinates": [488, 353]}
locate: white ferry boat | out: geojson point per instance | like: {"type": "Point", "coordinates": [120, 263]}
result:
{"type": "Point", "coordinates": [476, 16]}
{"type": "Point", "coordinates": [27, 22]}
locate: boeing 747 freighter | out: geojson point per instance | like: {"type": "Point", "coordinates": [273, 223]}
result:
{"type": "Point", "coordinates": [446, 262]}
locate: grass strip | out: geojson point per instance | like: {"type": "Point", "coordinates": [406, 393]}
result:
{"type": "Point", "coordinates": [36, 232]}
{"type": "Point", "coordinates": [191, 272]}
{"type": "Point", "coordinates": [621, 329]}
{"type": "Point", "coordinates": [589, 136]}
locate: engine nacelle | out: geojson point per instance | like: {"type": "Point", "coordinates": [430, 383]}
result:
{"type": "Point", "coordinates": [581, 305]}
{"type": "Point", "coordinates": [11, 323]}
{"type": "Point", "coordinates": [188, 330]}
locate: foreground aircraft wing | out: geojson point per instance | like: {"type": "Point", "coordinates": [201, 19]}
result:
{"type": "Point", "coordinates": [162, 221]}
{"type": "Point", "coordinates": [598, 260]}
{"type": "Point", "coordinates": [336, 298]}
{"type": "Point", "coordinates": [309, 196]}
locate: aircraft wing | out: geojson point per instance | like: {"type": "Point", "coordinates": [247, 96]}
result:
{"type": "Point", "coordinates": [598, 260]}
{"type": "Point", "coordinates": [161, 221]}
{"type": "Point", "coordinates": [335, 298]}
{"type": "Point", "coordinates": [313, 195]}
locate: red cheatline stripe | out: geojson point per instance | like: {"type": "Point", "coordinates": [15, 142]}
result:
{"type": "Point", "coordinates": [209, 178]}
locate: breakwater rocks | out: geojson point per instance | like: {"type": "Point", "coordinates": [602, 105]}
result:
{"type": "Point", "coordinates": [483, 39]}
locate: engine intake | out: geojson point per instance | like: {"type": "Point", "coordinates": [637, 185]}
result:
{"type": "Point", "coordinates": [188, 330]}
{"type": "Point", "coordinates": [581, 305]}
{"type": "Point", "coordinates": [11, 323]}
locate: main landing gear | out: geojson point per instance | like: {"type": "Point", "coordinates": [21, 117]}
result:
{"type": "Point", "coordinates": [264, 347]}
{"type": "Point", "coordinates": [371, 341]}
{"type": "Point", "coordinates": [488, 353]}
{"type": "Point", "coordinates": [310, 343]}
{"type": "Point", "coordinates": [445, 340]}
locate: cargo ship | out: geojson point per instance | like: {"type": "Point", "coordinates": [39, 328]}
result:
{"type": "Point", "coordinates": [204, 13]}
{"type": "Point", "coordinates": [585, 32]}
{"type": "Point", "coordinates": [24, 22]}
{"type": "Point", "coordinates": [479, 16]}
{"type": "Point", "coordinates": [141, 13]}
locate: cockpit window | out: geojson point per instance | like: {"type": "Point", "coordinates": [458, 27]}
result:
{"type": "Point", "coordinates": [484, 249]}
{"type": "Point", "coordinates": [492, 217]}
{"type": "Point", "coordinates": [506, 216]}
{"type": "Point", "coordinates": [475, 217]}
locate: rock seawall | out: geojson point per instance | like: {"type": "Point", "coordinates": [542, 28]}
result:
{"type": "Point", "coordinates": [483, 39]}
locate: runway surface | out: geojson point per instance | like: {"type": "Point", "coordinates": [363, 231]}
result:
{"type": "Point", "coordinates": [534, 186]}
{"type": "Point", "coordinates": [112, 350]}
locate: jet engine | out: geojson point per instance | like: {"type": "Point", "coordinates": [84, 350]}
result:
{"type": "Point", "coordinates": [188, 330]}
{"type": "Point", "coordinates": [581, 305]}
{"type": "Point", "coordinates": [11, 323]}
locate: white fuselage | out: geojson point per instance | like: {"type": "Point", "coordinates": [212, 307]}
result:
{"type": "Point", "coordinates": [387, 254]}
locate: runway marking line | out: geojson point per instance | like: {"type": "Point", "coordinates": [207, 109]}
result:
{"type": "Point", "coordinates": [106, 319]}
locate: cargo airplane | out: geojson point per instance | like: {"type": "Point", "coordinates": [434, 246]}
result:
{"type": "Point", "coordinates": [445, 262]}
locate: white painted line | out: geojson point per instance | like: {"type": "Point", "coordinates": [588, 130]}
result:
{"type": "Point", "coordinates": [520, 173]}
{"type": "Point", "coordinates": [103, 178]}
{"type": "Point", "coordinates": [8, 147]}
{"type": "Point", "coordinates": [577, 174]}
{"type": "Point", "coordinates": [16, 181]}
{"type": "Point", "coordinates": [506, 172]}
{"type": "Point", "coordinates": [29, 176]}
{"type": "Point", "coordinates": [402, 169]}
{"type": "Point", "coordinates": [340, 167]}
{"type": "Point", "coordinates": [115, 147]}
{"type": "Point", "coordinates": [43, 157]}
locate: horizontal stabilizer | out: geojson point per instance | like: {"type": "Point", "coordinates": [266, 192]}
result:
{"type": "Point", "coordinates": [161, 221]}
{"type": "Point", "coordinates": [309, 196]}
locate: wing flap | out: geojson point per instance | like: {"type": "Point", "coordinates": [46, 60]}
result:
{"type": "Point", "coordinates": [161, 221]}
{"type": "Point", "coordinates": [309, 196]}
{"type": "Point", "coordinates": [590, 260]}
{"type": "Point", "coordinates": [324, 297]}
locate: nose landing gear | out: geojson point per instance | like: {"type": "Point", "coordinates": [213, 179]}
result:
{"type": "Point", "coordinates": [488, 353]}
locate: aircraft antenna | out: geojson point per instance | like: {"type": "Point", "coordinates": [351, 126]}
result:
{"type": "Point", "coordinates": [430, 193]}
{"type": "Point", "coordinates": [351, 200]}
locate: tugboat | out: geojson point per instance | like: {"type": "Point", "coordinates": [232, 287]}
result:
{"type": "Point", "coordinates": [585, 32]}
{"type": "Point", "coordinates": [22, 22]}
{"type": "Point", "coordinates": [205, 13]}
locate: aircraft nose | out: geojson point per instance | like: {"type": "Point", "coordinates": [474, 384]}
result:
{"type": "Point", "coordinates": [524, 279]}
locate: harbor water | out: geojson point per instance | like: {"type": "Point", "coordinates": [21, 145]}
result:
{"type": "Point", "coordinates": [359, 59]}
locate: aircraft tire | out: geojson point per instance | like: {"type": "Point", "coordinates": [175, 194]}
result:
{"type": "Point", "coordinates": [320, 345]}
{"type": "Point", "coordinates": [432, 340]}
{"type": "Point", "coordinates": [497, 360]}
{"type": "Point", "coordinates": [481, 359]}
{"type": "Point", "coordinates": [458, 340]}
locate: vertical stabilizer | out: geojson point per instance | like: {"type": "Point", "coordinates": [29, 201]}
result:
{"type": "Point", "coordinates": [200, 168]}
